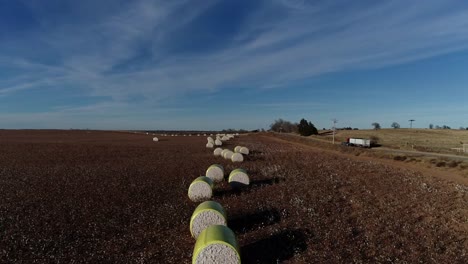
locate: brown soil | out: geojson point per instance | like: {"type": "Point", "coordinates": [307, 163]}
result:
{"type": "Point", "coordinates": [109, 197]}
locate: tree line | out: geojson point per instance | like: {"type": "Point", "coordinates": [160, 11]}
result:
{"type": "Point", "coordinates": [304, 127]}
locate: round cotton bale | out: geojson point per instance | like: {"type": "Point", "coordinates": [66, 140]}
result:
{"type": "Point", "coordinates": [201, 189]}
{"type": "Point", "coordinates": [155, 139]}
{"type": "Point", "coordinates": [238, 178]}
{"type": "Point", "coordinates": [210, 139]}
{"type": "Point", "coordinates": [237, 149]}
{"type": "Point", "coordinates": [228, 154]}
{"type": "Point", "coordinates": [218, 142]}
{"type": "Point", "coordinates": [216, 244]}
{"type": "Point", "coordinates": [217, 151]}
{"type": "Point", "coordinates": [206, 214]}
{"type": "Point", "coordinates": [244, 150]}
{"type": "Point", "coordinates": [209, 145]}
{"type": "Point", "coordinates": [237, 157]}
{"type": "Point", "coordinates": [215, 172]}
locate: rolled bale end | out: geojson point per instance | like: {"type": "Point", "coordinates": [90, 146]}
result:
{"type": "Point", "coordinates": [155, 139]}
{"type": "Point", "coordinates": [228, 154]}
{"type": "Point", "coordinates": [244, 150]}
{"type": "Point", "coordinates": [201, 189]}
{"type": "Point", "coordinates": [237, 157]}
{"type": "Point", "coordinates": [209, 145]}
{"type": "Point", "coordinates": [216, 244]}
{"type": "Point", "coordinates": [207, 214]}
{"type": "Point", "coordinates": [215, 172]}
{"type": "Point", "coordinates": [217, 151]}
{"type": "Point", "coordinates": [237, 149]}
{"type": "Point", "coordinates": [238, 178]}
{"type": "Point", "coordinates": [218, 142]}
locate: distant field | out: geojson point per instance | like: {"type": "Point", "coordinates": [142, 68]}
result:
{"type": "Point", "coordinates": [433, 140]}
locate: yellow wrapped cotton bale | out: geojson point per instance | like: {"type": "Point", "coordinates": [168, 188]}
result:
{"type": "Point", "coordinates": [215, 172]}
{"type": "Point", "coordinates": [228, 154]}
{"type": "Point", "coordinates": [201, 189]}
{"type": "Point", "coordinates": [216, 244]}
{"type": "Point", "coordinates": [207, 214]}
{"type": "Point", "coordinates": [238, 178]}
{"type": "Point", "coordinates": [217, 151]}
{"type": "Point", "coordinates": [244, 150]}
{"type": "Point", "coordinates": [237, 157]}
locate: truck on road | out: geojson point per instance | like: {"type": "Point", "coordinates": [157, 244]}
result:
{"type": "Point", "coordinates": [358, 142]}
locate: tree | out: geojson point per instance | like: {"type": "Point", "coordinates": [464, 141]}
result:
{"type": "Point", "coordinates": [431, 126]}
{"type": "Point", "coordinates": [306, 128]}
{"type": "Point", "coordinates": [395, 125]}
{"type": "Point", "coordinates": [376, 125]}
{"type": "Point", "coordinates": [281, 125]}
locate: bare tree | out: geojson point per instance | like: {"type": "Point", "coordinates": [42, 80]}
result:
{"type": "Point", "coordinates": [395, 125]}
{"type": "Point", "coordinates": [376, 125]}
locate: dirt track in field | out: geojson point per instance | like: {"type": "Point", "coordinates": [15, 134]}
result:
{"type": "Point", "coordinates": [109, 197]}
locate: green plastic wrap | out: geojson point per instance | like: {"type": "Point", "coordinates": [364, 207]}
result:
{"type": "Point", "coordinates": [215, 234]}
{"type": "Point", "coordinates": [239, 170]}
{"type": "Point", "coordinates": [202, 179]}
{"type": "Point", "coordinates": [207, 206]}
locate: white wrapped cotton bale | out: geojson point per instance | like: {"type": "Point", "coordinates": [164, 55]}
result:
{"type": "Point", "coordinates": [237, 157]}
{"type": "Point", "coordinates": [216, 244]}
{"type": "Point", "coordinates": [210, 139]}
{"type": "Point", "coordinates": [244, 150]}
{"type": "Point", "coordinates": [207, 214]}
{"type": "Point", "coordinates": [228, 154]}
{"type": "Point", "coordinates": [209, 145]}
{"type": "Point", "coordinates": [218, 142]}
{"type": "Point", "coordinates": [224, 138]}
{"type": "Point", "coordinates": [201, 189]}
{"type": "Point", "coordinates": [215, 172]}
{"type": "Point", "coordinates": [217, 151]}
{"type": "Point", "coordinates": [237, 149]}
{"type": "Point", "coordinates": [238, 178]}
{"type": "Point", "coordinates": [155, 139]}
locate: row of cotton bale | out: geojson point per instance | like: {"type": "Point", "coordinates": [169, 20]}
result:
{"type": "Point", "coordinates": [220, 138]}
{"type": "Point", "coordinates": [201, 189]}
{"type": "Point", "coordinates": [215, 242]}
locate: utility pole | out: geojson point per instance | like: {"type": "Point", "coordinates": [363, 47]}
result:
{"type": "Point", "coordinates": [334, 128]}
{"type": "Point", "coordinates": [411, 126]}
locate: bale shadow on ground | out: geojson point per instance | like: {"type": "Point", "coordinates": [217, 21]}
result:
{"type": "Point", "coordinates": [237, 188]}
{"type": "Point", "coordinates": [276, 248]}
{"type": "Point", "coordinates": [248, 222]}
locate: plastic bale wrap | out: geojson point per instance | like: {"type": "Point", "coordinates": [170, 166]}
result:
{"type": "Point", "coordinates": [238, 178]}
{"type": "Point", "coordinates": [237, 157]}
{"type": "Point", "coordinates": [210, 139]}
{"type": "Point", "coordinates": [201, 189]}
{"type": "Point", "coordinates": [209, 145]}
{"type": "Point", "coordinates": [218, 142]}
{"type": "Point", "coordinates": [207, 214]}
{"type": "Point", "coordinates": [155, 139]}
{"type": "Point", "coordinates": [244, 150]}
{"type": "Point", "coordinates": [216, 244]}
{"type": "Point", "coordinates": [215, 172]}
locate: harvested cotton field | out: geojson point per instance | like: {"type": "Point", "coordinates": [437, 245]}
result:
{"type": "Point", "coordinates": [117, 197]}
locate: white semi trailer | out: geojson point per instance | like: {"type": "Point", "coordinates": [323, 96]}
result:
{"type": "Point", "coordinates": [358, 142]}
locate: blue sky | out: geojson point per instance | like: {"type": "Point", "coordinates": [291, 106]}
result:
{"type": "Point", "coordinates": [149, 64]}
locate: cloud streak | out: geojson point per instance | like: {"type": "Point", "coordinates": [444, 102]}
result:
{"type": "Point", "coordinates": [125, 53]}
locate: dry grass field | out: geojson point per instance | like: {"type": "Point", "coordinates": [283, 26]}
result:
{"type": "Point", "coordinates": [107, 197]}
{"type": "Point", "coordinates": [431, 140]}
